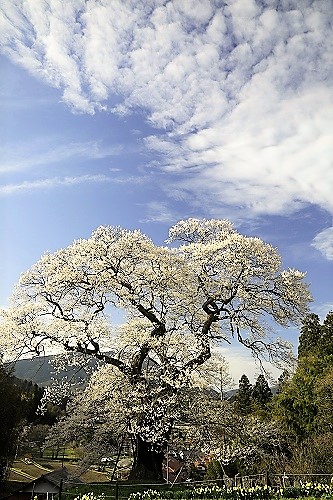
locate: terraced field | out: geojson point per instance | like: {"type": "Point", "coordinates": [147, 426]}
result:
{"type": "Point", "coordinates": [27, 470]}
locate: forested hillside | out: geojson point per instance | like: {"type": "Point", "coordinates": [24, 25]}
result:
{"type": "Point", "coordinates": [41, 371]}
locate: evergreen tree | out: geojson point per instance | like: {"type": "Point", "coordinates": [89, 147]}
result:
{"type": "Point", "coordinates": [282, 380]}
{"type": "Point", "coordinates": [244, 396]}
{"type": "Point", "coordinates": [261, 392]}
{"type": "Point", "coordinates": [304, 404]}
{"type": "Point", "coordinates": [10, 418]}
{"type": "Point", "coordinates": [324, 398]}
{"type": "Point", "coordinates": [311, 332]}
{"type": "Point", "coordinates": [326, 338]}
{"type": "Point", "coordinates": [19, 402]}
{"type": "Point", "coordinates": [295, 405]}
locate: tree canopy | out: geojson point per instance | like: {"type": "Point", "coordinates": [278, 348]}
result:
{"type": "Point", "coordinates": [211, 284]}
{"type": "Point", "coordinates": [19, 402]}
{"type": "Point", "coordinates": [261, 392]}
{"type": "Point", "coordinates": [304, 403]}
{"type": "Point", "coordinates": [244, 396]}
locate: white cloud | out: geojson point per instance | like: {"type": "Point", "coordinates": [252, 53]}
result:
{"type": "Point", "coordinates": [278, 160]}
{"type": "Point", "coordinates": [323, 309]}
{"type": "Point", "coordinates": [67, 181]}
{"type": "Point", "coordinates": [324, 243]}
{"type": "Point", "coordinates": [160, 212]}
{"type": "Point", "coordinates": [243, 91]}
{"type": "Point", "coordinates": [50, 183]}
{"type": "Point", "coordinates": [20, 157]}
{"type": "Point", "coordinates": [242, 363]}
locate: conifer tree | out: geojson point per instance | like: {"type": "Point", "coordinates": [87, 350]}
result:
{"type": "Point", "coordinates": [326, 338]}
{"type": "Point", "coordinates": [244, 396]}
{"type": "Point", "coordinates": [303, 401]}
{"type": "Point", "coordinates": [282, 380]}
{"type": "Point", "coordinates": [10, 417]}
{"type": "Point", "coordinates": [261, 392]}
{"type": "Point", "coordinates": [310, 335]}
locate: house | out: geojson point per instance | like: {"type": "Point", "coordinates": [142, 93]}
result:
{"type": "Point", "coordinates": [46, 487]}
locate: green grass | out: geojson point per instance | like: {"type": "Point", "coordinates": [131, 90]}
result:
{"type": "Point", "coordinates": [66, 453]}
{"type": "Point", "coordinates": [21, 469]}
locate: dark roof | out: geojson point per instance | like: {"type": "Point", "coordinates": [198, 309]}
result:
{"type": "Point", "coordinates": [54, 478]}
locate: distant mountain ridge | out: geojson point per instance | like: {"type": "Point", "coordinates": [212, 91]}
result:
{"type": "Point", "coordinates": [40, 370]}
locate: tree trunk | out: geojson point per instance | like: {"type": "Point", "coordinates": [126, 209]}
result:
{"type": "Point", "coordinates": [147, 463]}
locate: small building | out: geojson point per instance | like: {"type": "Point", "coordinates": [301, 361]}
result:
{"type": "Point", "coordinates": [46, 487]}
{"type": "Point", "coordinates": [173, 470]}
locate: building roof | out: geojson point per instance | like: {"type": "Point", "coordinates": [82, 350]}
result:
{"type": "Point", "coordinates": [46, 483]}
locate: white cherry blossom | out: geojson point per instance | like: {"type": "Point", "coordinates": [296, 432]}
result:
{"type": "Point", "coordinates": [215, 285]}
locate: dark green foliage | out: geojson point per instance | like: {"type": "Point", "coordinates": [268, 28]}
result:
{"type": "Point", "coordinates": [316, 339]}
{"type": "Point", "coordinates": [243, 399]}
{"type": "Point", "coordinates": [295, 404]}
{"type": "Point", "coordinates": [326, 339]}
{"type": "Point", "coordinates": [301, 410]}
{"type": "Point", "coordinates": [310, 335]}
{"type": "Point", "coordinates": [11, 414]}
{"type": "Point", "coordinates": [19, 403]}
{"type": "Point", "coordinates": [31, 395]}
{"type": "Point", "coordinates": [261, 393]}
{"type": "Point", "coordinates": [305, 405]}
{"type": "Point", "coordinates": [214, 470]}
{"type": "Point", "coordinates": [324, 396]}
{"type": "Point", "coordinates": [282, 380]}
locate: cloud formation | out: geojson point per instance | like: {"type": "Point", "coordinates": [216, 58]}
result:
{"type": "Point", "coordinates": [324, 243]}
{"type": "Point", "coordinates": [242, 90]}
{"type": "Point", "coordinates": [50, 183]}
{"type": "Point", "coordinates": [68, 181]}
{"type": "Point", "coordinates": [20, 157]}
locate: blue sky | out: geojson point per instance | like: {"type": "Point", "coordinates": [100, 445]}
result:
{"type": "Point", "coordinates": [144, 113]}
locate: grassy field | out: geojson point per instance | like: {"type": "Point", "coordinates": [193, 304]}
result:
{"type": "Point", "coordinates": [25, 471]}
{"type": "Point", "coordinates": [67, 453]}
